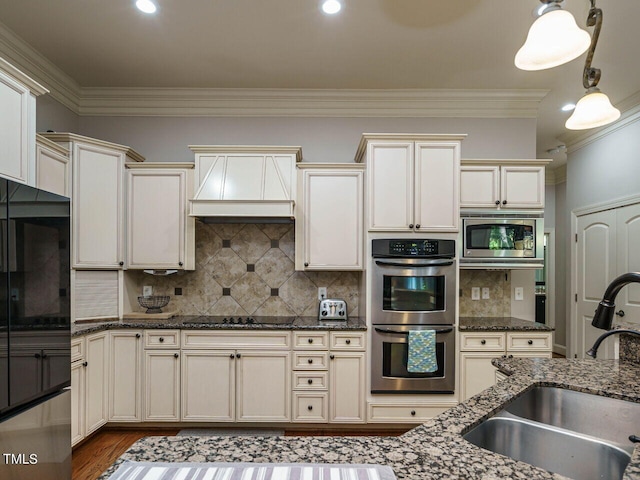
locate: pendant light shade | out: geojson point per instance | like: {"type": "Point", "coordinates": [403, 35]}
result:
{"type": "Point", "coordinates": [553, 39]}
{"type": "Point", "coordinates": [592, 110]}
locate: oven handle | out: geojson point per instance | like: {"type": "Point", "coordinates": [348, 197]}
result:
{"type": "Point", "coordinates": [386, 330]}
{"type": "Point", "coordinates": [413, 265]}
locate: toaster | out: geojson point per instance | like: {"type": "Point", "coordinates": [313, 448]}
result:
{"type": "Point", "coordinates": [332, 309]}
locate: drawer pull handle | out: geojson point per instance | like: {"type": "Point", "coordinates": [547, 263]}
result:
{"type": "Point", "coordinates": [310, 360]}
{"type": "Point", "coordinates": [309, 381]}
{"type": "Point", "coordinates": [413, 413]}
{"type": "Point", "coordinates": [483, 342]}
{"type": "Point", "coordinates": [310, 407]}
{"type": "Point", "coordinates": [348, 341]}
{"type": "Point", "coordinates": [161, 339]}
{"type": "Point", "coordinates": [530, 342]}
{"type": "Point", "coordinates": [310, 340]}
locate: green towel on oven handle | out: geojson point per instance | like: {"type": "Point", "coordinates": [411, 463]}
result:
{"type": "Point", "coordinates": [422, 352]}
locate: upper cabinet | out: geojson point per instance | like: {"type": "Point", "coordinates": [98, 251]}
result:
{"type": "Point", "coordinates": [329, 216]}
{"type": "Point", "coordinates": [160, 233]}
{"type": "Point", "coordinates": [53, 167]}
{"type": "Point", "coordinates": [502, 184]}
{"type": "Point", "coordinates": [18, 95]}
{"type": "Point", "coordinates": [413, 181]}
{"type": "Point", "coordinates": [98, 216]}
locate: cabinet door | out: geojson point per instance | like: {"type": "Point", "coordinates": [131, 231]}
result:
{"type": "Point", "coordinates": [437, 179]}
{"type": "Point", "coordinates": [17, 131]}
{"type": "Point", "coordinates": [263, 386]}
{"type": "Point", "coordinates": [53, 171]}
{"type": "Point", "coordinates": [77, 401]}
{"type": "Point", "coordinates": [346, 387]}
{"type": "Point", "coordinates": [208, 385]}
{"type": "Point", "coordinates": [162, 386]}
{"type": "Point", "coordinates": [156, 224]}
{"type": "Point", "coordinates": [522, 187]}
{"type": "Point", "coordinates": [390, 170]}
{"type": "Point", "coordinates": [96, 381]}
{"type": "Point", "coordinates": [125, 376]}
{"type": "Point", "coordinates": [97, 207]}
{"type": "Point", "coordinates": [477, 372]}
{"type": "Point", "coordinates": [479, 186]}
{"type": "Point", "coordinates": [332, 219]}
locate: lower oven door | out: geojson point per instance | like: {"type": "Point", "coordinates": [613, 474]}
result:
{"type": "Point", "coordinates": [389, 355]}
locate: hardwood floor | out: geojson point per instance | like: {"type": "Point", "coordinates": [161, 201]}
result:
{"type": "Point", "coordinates": [97, 453]}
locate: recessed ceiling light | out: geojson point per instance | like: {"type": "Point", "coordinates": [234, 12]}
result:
{"type": "Point", "coordinates": [331, 7]}
{"type": "Point", "coordinates": [568, 107]}
{"type": "Point", "coordinates": [146, 6]}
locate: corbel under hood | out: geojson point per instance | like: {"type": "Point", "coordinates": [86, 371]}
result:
{"type": "Point", "coordinates": [244, 184]}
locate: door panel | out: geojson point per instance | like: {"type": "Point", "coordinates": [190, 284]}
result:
{"type": "Point", "coordinates": [628, 259]}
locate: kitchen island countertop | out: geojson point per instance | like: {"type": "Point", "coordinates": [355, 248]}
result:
{"type": "Point", "coordinates": [434, 450]}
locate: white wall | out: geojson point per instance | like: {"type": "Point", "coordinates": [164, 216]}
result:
{"type": "Point", "coordinates": [52, 115]}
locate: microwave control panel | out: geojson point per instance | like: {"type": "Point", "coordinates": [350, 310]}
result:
{"type": "Point", "coordinates": [413, 248]}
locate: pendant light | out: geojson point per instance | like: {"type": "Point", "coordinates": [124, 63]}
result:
{"type": "Point", "coordinates": [553, 39]}
{"type": "Point", "coordinates": [594, 109]}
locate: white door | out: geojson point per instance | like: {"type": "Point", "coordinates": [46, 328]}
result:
{"type": "Point", "coordinates": [96, 381]}
{"type": "Point", "coordinates": [346, 387]}
{"type": "Point", "coordinates": [479, 186]}
{"type": "Point", "coordinates": [628, 259]}
{"type": "Point", "coordinates": [522, 187]}
{"type": "Point", "coordinates": [595, 268]}
{"type": "Point", "coordinates": [162, 386]}
{"type": "Point", "coordinates": [125, 376]}
{"type": "Point", "coordinates": [78, 371]}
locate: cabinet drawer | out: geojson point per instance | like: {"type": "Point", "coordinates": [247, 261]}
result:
{"type": "Point", "coordinates": [518, 342]}
{"type": "Point", "coordinates": [482, 341]}
{"type": "Point", "coordinates": [196, 339]}
{"type": "Point", "coordinates": [311, 340]}
{"type": "Point", "coordinates": [310, 380]}
{"type": "Point", "coordinates": [161, 338]}
{"type": "Point", "coordinates": [404, 413]}
{"type": "Point", "coordinates": [347, 340]}
{"type": "Point", "coordinates": [310, 407]}
{"type": "Point", "coordinates": [310, 360]}
{"type": "Point", "coordinates": [77, 349]}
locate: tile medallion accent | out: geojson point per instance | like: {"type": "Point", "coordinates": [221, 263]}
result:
{"type": "Point", "coordinates": [247, 269]}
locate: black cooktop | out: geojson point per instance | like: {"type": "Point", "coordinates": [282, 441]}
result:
{"type": "Point", "coordinates": [259, 320]}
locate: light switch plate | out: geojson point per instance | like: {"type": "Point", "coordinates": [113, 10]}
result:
{"type": "Point", "coordinates": [519, 293]}
{"type": "Point", "coordinates": [485, 293]}
{"type": "Point", "coordinates": [475, 293]}
{"type": "Point", "coordinates": [147, 291]}
{"type": "Point", "coordinates": [322, 293]}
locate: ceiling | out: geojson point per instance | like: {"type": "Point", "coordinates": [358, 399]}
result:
{"type": "Point", "coordinates": [371, 44]}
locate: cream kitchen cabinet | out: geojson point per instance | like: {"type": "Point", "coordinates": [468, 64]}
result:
{"type": "Point", "coordinates": [53, 167]}
{"type": "Point", "coordinates": [125, 376]}
{"type": "Point", "coordinates": [18, 95]}
{"type": "Point", "coordinates": [98, 216]}
{"type": "Point", "coordinates": [89, 384]}
{"type": "Point", "coordinates": [477, 349]}
{"type": "Point", "coordinates": [329, 217]}
{"type": "Point", "coordinates": [161, 376]}
{"type": "Point", "coordinates": [413, 181]}
{"type": "Point", "coordinates": [236, 376]}
{"type": "Point", "coordinates": [502, 184]}
{"type": "Point", "coordinates": [160, 232]}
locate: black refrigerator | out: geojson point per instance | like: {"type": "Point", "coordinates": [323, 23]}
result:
{"type": "Point", "coordinates": [35, 335]}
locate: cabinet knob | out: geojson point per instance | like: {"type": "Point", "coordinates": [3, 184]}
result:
{"type": "Point", "coordinates": [238, 355]}
{"type": "Point", "coordinates": [232, 356]}
{"type": "Point", "coordinates": [137, 335]}
{"type": "Point", "coordinates": [504, 202]}
{"type": "Point", "coordinates": [309, 381]}
{"type": "Point", "coordinates": [530, 342]}
{"type": "Point", "coordinates": [509, 356]}
{"type": "Point", "coordinates": [310, 407]}
{"type": "Point", "coordinates": [44, 355]}
{"type": "Point", "coordinates": [37, 355]}
{"type": "Point", "coordinates": [620, 313]}
{"type": "Point", "coordinates": [306, 264]}
{"type": "Point", "coordinates": [161, 339]}
{"type": "Point", "coordinates": [332, 357]}
{"type": "Point", "coordinates": [121, 263]}
{"type": "Point", "coordinates": [413, 413]}
{"type": "Point", "coordinates": [310, 360]}
{"type": "Point", "coordinates": [417, 226]}
{"type": "Point", "coordinates": [310, 340]}
{"type": "Point", "coordinates": [348, 341]}
{"type": "Point", "coordinates": [180, 263]}
{"type": "Point", "coordinates": [483, 342]}
{"type": "Point", "coordinates": [497, 202]}
{"type": "Point", "coordinates": [84, 364]}
{"type": "Point", "coordinates": [175, 355]}
{"type": "Point", "coordinates": [411, 225]}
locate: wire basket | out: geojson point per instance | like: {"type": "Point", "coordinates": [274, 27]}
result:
{"type": "Point", "coordinates": [154, 303]}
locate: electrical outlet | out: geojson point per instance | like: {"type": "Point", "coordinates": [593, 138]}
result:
{"type": "Point", "coordinates": [475, 293]}
{"type": "Point", "coordinates": [519, 293]}
{"type": "Point", "coordinates": [485, 293]}
{"type": "Point", "coordinates": [322, 293]}
{"type": "Point", "coordinates": [147, 291]}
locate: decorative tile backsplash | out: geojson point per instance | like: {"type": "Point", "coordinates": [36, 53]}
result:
{"type": "Point", "coordinates": [248, 269]}
{"type": "Point", "coordinates": [499, 303]}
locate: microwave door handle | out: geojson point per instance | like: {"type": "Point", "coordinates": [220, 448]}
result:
{"type": "Point", "coordinates": [383, 263]}
{"type": "Point", "coordinates": [387, 330]}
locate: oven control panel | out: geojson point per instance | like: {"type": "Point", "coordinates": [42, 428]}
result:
{"type": "Point", "coordinates": [413, 248]}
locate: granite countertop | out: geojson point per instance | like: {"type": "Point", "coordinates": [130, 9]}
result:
{"type": "Point", "coordinates": [434, 450]}
{"type": "Point", "coordinates": [222, 323]}
{"type": "Point", "coordinates": [500, 324]}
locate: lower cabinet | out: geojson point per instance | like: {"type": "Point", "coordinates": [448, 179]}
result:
{"type": "Point", "coordinates": [125, 376]}
{"type": "Point", "coordinates": [89, 384]}
{"type": "Point", "coordinates": [477, 349]}
{"type": "Point", "coordinates": [162, 385]}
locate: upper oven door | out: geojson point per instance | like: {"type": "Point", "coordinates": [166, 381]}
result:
{"type": "Point", "coordinates": [499, 238]}
{"type": "Point", "coordinates": [413, 291]}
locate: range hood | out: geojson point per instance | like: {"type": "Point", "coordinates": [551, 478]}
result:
{"type": "Point", "coordinates": [244, 184]}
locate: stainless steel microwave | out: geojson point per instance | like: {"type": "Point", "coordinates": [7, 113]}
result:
{"type": "Point", "coordinates": [503, 241]}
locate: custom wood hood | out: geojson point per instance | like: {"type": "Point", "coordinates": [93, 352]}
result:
{"type": "Point", "coordinates": [244, 183]}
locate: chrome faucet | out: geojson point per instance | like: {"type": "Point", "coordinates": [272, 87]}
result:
{"type": "Point", "coordinates": [593, 350]}
{"type": "Point", "coordinates": [603, 317]}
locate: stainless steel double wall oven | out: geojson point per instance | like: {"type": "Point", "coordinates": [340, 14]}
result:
{"type": "Point", "coordinates": [414, 288]}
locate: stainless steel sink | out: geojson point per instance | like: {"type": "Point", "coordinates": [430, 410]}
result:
{"type": "Point", "coordinates": [578, 435]}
